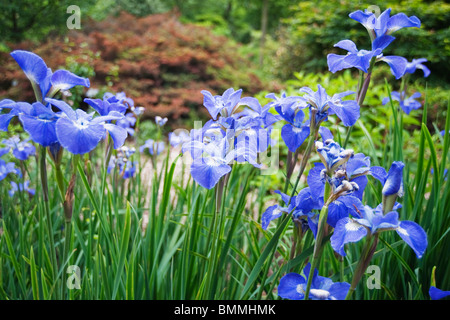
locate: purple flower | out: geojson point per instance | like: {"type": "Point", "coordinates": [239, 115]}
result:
{"type": "Point", "coordinates": [361, 59]}
{"type": "Point", "coordinates": [373, 221]}
{"type": "Point", "coordinates": [7, 168]}
{"type": "Point", "coordinates": [406, 103]}
{"type": "Point", "coordinates": [20, 187]}
{"type": "Point", "coordinates": [160, 121]}
{"type": "Point", "coordinates": [381, 25]}
{"type": "Point", "coordinates": [293, 286]}
{"type": "Point", "coordinates": [437, 294]}
{"type": "Point", "coordinates": [22, 150]}
{"type": "Point", "coordinates": [223, 104]}
{"type": "Point", "coordinates": [154, 147]}
{"type": "Point", "coordinates": [415, 64]}
{"type": "Point", "coordinates": [178, 137]}
{"type": "Point", "coordinates": [43, 78]}
{"type": "Point", "coordinates": [79, 132]}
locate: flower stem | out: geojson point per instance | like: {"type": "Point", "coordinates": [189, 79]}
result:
{"type": "Point", "coordinates": [318, 246]}
{"type": "Point", "coordinates": [305, 157]}
{"type": "Point", "coordinates": [366, 255]}
{"type": "Point", "coordinates": [44, 182]}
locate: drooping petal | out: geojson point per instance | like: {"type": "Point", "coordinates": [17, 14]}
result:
{"type": "Point", "coordinates": [271, 213]}
{"type": "Point", "coordinates": [337, 62]}
{"type": "Point", "coordinates": [414, 236]}
{"type": "Point", "coordinates": [118, 134]}
{"type": "Point", "coordinates": [437, 294]}
{"type": "Point", "coordinates": [397, 64]}
{"type": "Point", "coordinates": [336, 211]}
{"type": "Point", "coordinates": [41, 131]}
{"type": "Point", "coordinates": [378, 173]}
{"type": "Point", "coordinates": [292, 287]}
{"type": "Point", "coordinates": [339, 290]}
{"type": "Point", "coordinates": [294, 137]}
{"type": "Point", "coordinates": [208, 173]}
{"type": "Point", "coordinates": [5, 119]}
{"type": "Point", "coordinates": [78, 139]}
{"type": "Point", "coordinates": [347, 230]}
{"type": "Point", "coordinates": [315, 182]}
{"type": "Point", "coordinates": [347, 111]}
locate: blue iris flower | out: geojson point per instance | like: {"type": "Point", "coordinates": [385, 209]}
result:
{"type": "Point", "coordinates": [238, 134]}
{"type": "Point", "coordinates": [119, 98]}
{"type": "Point", "coordinates": [105, 106]}
{"type": "Point", "coordinates": [415, 64]}
{"type": "Point", "coordinates": [21, 150]}
{"type": "Point", "coordinates": [292, 286]}
{"type": "Point", "coordinates": [437, 294]}
{"type": "Point", "coordinates": [373, 221]}
{"type": "Point", "coordinates": [79, 132]}
{"type": "Point", "coordinates": [384, 24]}
{"type": "Point", "coordinates": [406, 103]}
{"type": "Point", "coordinates": [160, 121]}
{"type": "Point", "coordinates": [346, 174]}
{"type": "Point", "coordinates": [20, 187]}
{"type": "Point", "coordinates": [392, 180]}
{"type": "Point", "coordinates": [179, 137]}
{"type": "Point", "coordinates": [295, 132]}
{"type": "Point", "coordinates": [129, 170]}
{"type": "Point", "coordinates": [154, 147]}
{"type": "Point", "coordinates": [301, 206]}
{"type": "Point", "coordinates": [325, 105]}
{"type": "Point", "coordinates": [38, 121]}
{"type": "Point", "coordinates": [127, 122]}
{"type": "Point", "coordinates": [223, 104]}
{"type": "Point", "coordinates": [43, 78]}
{"type": "Point", "coordinates": [7, 168]}
{"type": "Point", "coordinates": [210, 160]}
{"type": "Point", "coordinates": [344, 205]}
{"type": "Point", "coordinates": [360, 59]}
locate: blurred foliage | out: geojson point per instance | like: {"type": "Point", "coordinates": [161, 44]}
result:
{"type": "Point", "coordinates": [313, 28]}
{"type": "Point", "coordinates": [35, 20]}
{"type": "Point", "coordinates": [159, 62]}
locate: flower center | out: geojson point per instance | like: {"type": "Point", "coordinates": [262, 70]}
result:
{"type": "Point", "coordinates": [352, 226]}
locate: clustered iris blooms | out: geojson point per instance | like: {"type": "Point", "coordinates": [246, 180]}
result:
{"type": "Point", "coordinates": [332, 203]}
{"type": "Point", "coordinates": [238, 131]}
{"type": "Point", "coordinates": [75, 130]}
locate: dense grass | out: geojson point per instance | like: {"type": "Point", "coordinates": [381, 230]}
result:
{"type": "Point", "coordinates": [169, 239]}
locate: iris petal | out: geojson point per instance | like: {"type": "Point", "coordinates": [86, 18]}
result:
{"type": "Point", "coordinates": [78, 139]}
{"type": "Point", "coordinates": [41, 131]}
{"type": "Point", "coordinates": [414, 236]}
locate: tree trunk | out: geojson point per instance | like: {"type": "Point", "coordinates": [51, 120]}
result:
{"type": "Point", "coordinates": [264, 17]}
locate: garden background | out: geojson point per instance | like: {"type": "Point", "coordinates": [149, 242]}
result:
{"type": "Point", "coordinates": [162, 53]}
